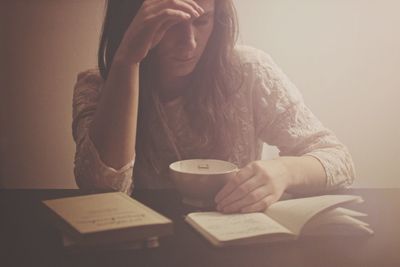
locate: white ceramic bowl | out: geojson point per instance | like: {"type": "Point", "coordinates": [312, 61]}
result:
{"type": "Point", "coordinates": [199, 180]}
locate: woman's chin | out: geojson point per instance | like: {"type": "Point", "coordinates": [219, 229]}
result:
{"type": "Point", "coordinates": [181, 71]}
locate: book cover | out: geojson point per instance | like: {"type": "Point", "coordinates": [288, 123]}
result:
{"type": "Point", "coordinates": [107, 218]}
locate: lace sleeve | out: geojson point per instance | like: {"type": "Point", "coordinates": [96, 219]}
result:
{"type": "Point", "coordinates": [283, 120]}
{"type": "Point", "coordinates": [91, 173]}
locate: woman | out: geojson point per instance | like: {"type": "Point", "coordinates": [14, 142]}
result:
{"type": "Point", "coordinates": [173, 85]}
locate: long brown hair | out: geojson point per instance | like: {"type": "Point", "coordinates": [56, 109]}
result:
{"type": "Point", "coordinates": [215, 80]}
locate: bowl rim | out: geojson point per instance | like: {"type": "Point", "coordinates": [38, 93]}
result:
{"type": "Point", "coordinates": [235, 167]}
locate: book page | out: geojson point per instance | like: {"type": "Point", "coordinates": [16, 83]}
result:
{"type": "Point", "coordinates": [338, 225]}
{"type": "Point", "coordinates": [322, 220]}
{"type": "Point", "coordinates": [225, 227]}
{"type": "Point", "coordinates": [107, 211]}
{"type": "Point", "coordinates": [342, 211]}
{"type": "Point", "coordinates": [295, 213]}
{"type": "Point", "coordinates": [338, 221]}
{"type": "Point", "coordinates": [340, 230]}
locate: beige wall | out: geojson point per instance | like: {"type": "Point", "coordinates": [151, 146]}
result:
{"type": "Point", "coordinates": [343, 55]}
{"type": "Point", "coordinates": [47, 43]}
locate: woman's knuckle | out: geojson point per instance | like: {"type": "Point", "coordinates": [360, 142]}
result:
{"type": "Point", "coordinates": [168, 12]}
{"type": "Point", "coordinates": [264, 172]}
{"type": "Point", "coordinates": [245, 171]}
{"type": "Point", "coordinates": [240, 174]}
{"type": "Point", "coordinates": [145, 6]}
{"type": "Point", "coordinates": [257, 165]}
{"type": "Point", "coordinates": [249, 166]}
{"type": "Point", "coordinates": [175, 2]}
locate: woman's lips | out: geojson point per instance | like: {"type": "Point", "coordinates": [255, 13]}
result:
{"type": "Point", "coordinates": [187, 59]}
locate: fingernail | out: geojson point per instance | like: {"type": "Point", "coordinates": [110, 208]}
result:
{"type": "Point", "coordinates": [200, 9]}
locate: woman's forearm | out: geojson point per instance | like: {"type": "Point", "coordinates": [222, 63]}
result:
{"type": "Point", "coordinates": [306, 175]}
{"type": "Point", "coordinates": [113, 130]}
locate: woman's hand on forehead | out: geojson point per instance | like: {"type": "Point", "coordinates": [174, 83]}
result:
{"type": "Point", "coordinates": [190, 7]}
{"type": "Point", "coordinates": [153, 20]}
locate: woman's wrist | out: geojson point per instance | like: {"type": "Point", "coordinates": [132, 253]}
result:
{"type": "Point", "coordinates": [304, 174]}
{"type": "Point", "coordinates": [125, 56]}
{"type": "Point", "coordinates": [121, 62]}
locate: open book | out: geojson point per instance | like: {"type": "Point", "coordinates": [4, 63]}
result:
{"type": "Point", "coordinates": [107, 218]}
{"type": "Point", "coordinates": [283, 220]}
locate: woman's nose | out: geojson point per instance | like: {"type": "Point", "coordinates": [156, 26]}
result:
{"type": "Point", "coordinates": [188, 37]}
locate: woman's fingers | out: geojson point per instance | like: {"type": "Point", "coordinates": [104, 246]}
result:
{"type": "Point", "coordinates": [261, 205]}
{"type": "Point", "coordinates": [252, 198]}
{"type": "Point", "coordinates": [156, 26]}
{"type": "Point", "coordinates": [191, 5]}
{"type": "Point", "coordinates": [163, 27]}
{"type": "Point", "coordinates": [254, 188]}
{"type": "Point", "coordinates": [170, 18]}
{"type": "Point", "coordinates": [157, 18]}
{"type": "Point", "coordinates": [241, 176]}
{"type": "Point", "coordinates": [148, 27]}
{"type": "Point", "coordinates": [187, 6]}
{"type": "Point", "coordinates": [241, 191]}
{"type": "Point", "coordinates": [163, 16]}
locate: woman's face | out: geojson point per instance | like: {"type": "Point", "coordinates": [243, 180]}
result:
{"type": "Point", "coordinates": [183, 45]}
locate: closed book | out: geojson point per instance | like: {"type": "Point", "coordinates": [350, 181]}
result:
{"type": "Point", "coordinates": [106, 218]}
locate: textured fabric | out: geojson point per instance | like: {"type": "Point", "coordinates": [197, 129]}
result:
{"type": "Point", "coordinates": [268, 107]}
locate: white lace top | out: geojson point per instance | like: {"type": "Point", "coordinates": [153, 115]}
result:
{"type": "Point", "coordinates": [269, 107]}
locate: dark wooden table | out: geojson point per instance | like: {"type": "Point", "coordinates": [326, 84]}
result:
{"type": "Point", "coordinates": [28, 239]}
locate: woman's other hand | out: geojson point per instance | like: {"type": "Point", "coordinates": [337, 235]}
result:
{"type": "Point", "coordinates": [254, 188]}
{"type": "Point", "coordinates": [154, 19]}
